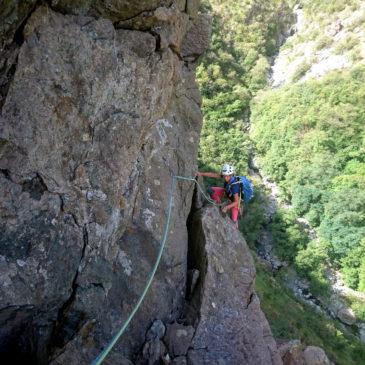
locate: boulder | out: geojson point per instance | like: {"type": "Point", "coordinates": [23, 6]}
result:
{"type": "Point", "coordinates": [339, 308]}
{"type": "Point", "coordinates": [291, 353]}
{"type": "Point", "coordinates": [178, 338]}
{"type": "Point", "coordinates": [112, 9]}
{"type": "Point", "coordinates": [153, 352]}
{"type": "Point", "coordinates": [346, 315]}
{"type": "Point", "coordinates": [196, 37]}
{"type": "Point", "coordinates": [314, 355]}
{"type": "Point", "coordinates": [157, 330]}
{"type": "Point", "coordinates": [334, 28]}
{"type": "Point", "coordinates": [168, 24]}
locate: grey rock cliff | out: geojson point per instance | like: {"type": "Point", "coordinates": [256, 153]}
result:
{"type": "Point", "coordinates": [94, 123]}
{"type": "Point", "coordinates": [222, 322]}
{"type": "Point", "coordinates": [230, 326]}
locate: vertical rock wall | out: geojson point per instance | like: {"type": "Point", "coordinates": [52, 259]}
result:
{"type": "Point", "coordinates": [230, 327]}
{"type": "Point", "coordinates": [101, 111]}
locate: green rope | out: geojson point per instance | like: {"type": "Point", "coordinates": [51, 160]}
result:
{"type": "Point", "coordinates": [100, 358]}
{"type": "Point", "coordinates": [209, 199]}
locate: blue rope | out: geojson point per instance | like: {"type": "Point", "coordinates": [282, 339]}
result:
{"type": "Point", "coordinates": [100, 358]}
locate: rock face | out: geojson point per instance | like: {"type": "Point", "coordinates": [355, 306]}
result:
{"type": "Point", "coordinates": [95, 120]}
{"type": "Point", "coordinates": [222, 322]}
{"type": "Point", "coordinates": [230, 326]}
{"type": "Point", "coordinates": [12, 14]}
{"type": "Point", "coordinates": [178, 338]}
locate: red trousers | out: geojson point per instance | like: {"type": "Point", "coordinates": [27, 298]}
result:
{"type": "Point", "coordinates": [219, 193]}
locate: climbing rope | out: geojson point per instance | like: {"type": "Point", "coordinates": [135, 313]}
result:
{"type": "Point", "coordinates": [209, 199]}
{"type": "Point", "coordinates": [100, 358]}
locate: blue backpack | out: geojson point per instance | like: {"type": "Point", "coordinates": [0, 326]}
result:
{"type": "Point", "coordinates": [246, 188]}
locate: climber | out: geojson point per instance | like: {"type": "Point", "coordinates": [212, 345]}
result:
{"type": "Point", "coordinates": [230, 190]}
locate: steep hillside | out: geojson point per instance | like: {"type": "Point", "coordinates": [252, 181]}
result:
{"type": "Point", "coordinates": [329, 35]}
{"type": "Point", "coordinates": [309, 138]}
{"type": "Point", "coordinates": [308, 130]}
{"type": "Point", "coordinates": [264, 108]}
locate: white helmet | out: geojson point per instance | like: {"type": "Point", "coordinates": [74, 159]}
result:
{"type": "Point", "coordinates": [227, 170]}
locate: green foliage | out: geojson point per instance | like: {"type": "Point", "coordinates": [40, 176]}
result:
{"type": "Point", "coordinates": [301, 70]}
{"type": "Point", "coordinates": [323, 42]}
{"type": "Point", "coordinates": [354, 267]}
{"type": "Point", "coordinates": [305, 197]}
{"type": "Point", "coordinates": [234, 68]}
{"type": "Point", "coordinates": [311, 263]}
{"type": "Point", "coordinates": [346, 44]}
{"type": "Point", "coordinates": [230, 146]}
{"type": "Point", "coordinates": [361, 274]}
{"type": "Point", "coordinates": [343, 223]}
{"type": "Point", "coordinates": [289, 237]}
{"type": "Point", "coordinates": [357, 304]}
{"type": "Point", "coordinates": [253, 217]}
{"type": "Point", "coordinates": [299, 321]}
{"type": "Point", "coordinates": [359, 309]}
{"type": "Point", "coordinates": [355, 55]}
{"type": "Point", "coordinates": [310, 139]}
{"type": "Point", "coordinates": [327, 7]}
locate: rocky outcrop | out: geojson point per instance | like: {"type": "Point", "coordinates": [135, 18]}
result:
{"type": "Point", "coordinates": [294, 353]}
{"type": "Point", "coordinates": [314, 355]}
{"type": "Point", "coordinates": [230, 326]}
{"type": "Point", "coordinates": [113, 9]}
{"type": "Point", "coordinates": [222, 322]}
{"type": "Point", "coordinates": [95, 121]}
{"type": "Point", "coordinates": [346, 315]}
{"type": "Point", "coordinates": [12, 14]}
{"type": "Point", "coordinates": [318, 47]}
{"type": "Point", "coordinates": [291, 352]}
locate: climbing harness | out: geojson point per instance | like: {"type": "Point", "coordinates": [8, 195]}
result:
{"type": "Point", "coordinates": [100, 358]}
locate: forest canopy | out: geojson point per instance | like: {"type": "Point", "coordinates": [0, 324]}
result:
{"type": "Point", "coordinates": [311, 141]}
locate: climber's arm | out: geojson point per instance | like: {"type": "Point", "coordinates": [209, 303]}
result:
{"type": "Point", "coordinates": [214, 175]}
{"type": "Point", "coordinates": [233, 204]}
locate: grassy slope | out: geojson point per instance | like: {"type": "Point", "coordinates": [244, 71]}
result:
{"type": "Point", "coordinates": [290, 319]}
